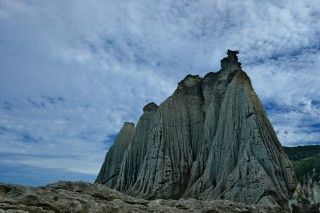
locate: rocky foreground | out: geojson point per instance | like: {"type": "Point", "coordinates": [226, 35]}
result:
{"type": "Point", "coordinates": [67, 196]}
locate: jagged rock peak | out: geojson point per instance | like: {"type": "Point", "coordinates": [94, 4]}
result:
{"type": "Point", "coordinates": [190, 81]}
{"type": "Point", "coordinates": [150, 107]}
{"type": "Point", "coordinates": [231, 63]}
{"type": "Point", "coordinates": [127, 123]}
{"type": "Point", "coordinates": [110, 169]}
{"type": "Point", "coordinates": [211, 139]}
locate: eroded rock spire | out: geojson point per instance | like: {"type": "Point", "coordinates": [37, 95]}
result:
{"type": "Point", "coordinates": [211, 139]}
{"type": "Point", "coordinates": [230, 63]}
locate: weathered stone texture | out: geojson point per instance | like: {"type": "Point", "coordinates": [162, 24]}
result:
{"type": "Point", "coordinates": [110, 169]}
{"type": "Point", "coordinates": [210, 140]}
{"type": "Point", "coordinates": [86, 197]}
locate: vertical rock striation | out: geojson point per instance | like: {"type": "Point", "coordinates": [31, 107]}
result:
{"type": "Point", "coordinates": [210, 140]}
{"type": "Point", "coordinates": [110, 169]}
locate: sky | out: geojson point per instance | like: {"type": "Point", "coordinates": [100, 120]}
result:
{"type": "Point", "coordinates": [72, 72]}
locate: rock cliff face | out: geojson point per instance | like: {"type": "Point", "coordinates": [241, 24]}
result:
{"type": "Point", "coordinates": [210, 140]}
{"type": "Point", "coordinates": [111, 166]}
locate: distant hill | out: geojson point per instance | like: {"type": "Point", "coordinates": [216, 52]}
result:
{"type": "Point", "coordinates": [302, 152]}
{"type": "Point", "coordinates": [306, 161]}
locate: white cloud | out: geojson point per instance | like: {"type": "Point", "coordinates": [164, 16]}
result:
{"type": "Point", "coordinates": [106, 59]}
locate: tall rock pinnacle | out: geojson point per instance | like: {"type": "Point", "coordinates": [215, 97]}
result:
{"type": "Point", "coordinates": [112, 164]}
{"type": "Point", "coordinates": [211, 139]}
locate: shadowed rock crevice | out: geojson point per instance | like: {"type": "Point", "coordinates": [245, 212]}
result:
{"type": "Point", "coordinates": [211, 139]}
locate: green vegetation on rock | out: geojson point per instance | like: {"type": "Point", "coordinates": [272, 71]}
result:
{"type": "Point", "coordinates": [302, 152]}
{"type": "Point", "coordinates": [306, 161]}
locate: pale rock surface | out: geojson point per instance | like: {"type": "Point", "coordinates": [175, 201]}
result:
{"type": "Point", "coordinates": [210, 140]}
{"type": "Point", "coordinates": [306, 197]}
{"type": "Point", "coordinates": [112, 163]}
{"type": "Point", "coordinates": [86, 197]}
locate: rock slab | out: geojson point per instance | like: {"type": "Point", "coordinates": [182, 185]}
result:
{"type": "Point", "coordinates": [65, 196]}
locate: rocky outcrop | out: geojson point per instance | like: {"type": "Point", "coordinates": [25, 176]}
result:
{"type": "Point", "coordinates": [306, 163]}
{"type": "Point", "coordinates": [306, 197]}
{"type": "Point", "coordinates": [210, 140]}
{"type": "Point", "coordinates": [112, 163]}
{"type": "Point", "coordinates": [86, 197]}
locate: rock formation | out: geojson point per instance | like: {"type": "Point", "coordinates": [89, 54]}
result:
{"type": "Point", "coordinates": [68, 197]}
{"type": "Point", "coordinates": [111, 166]}
{"type": "Point", "coordinates": [210, 140]}
{"type": "Point", "coordinates": [306, 163]}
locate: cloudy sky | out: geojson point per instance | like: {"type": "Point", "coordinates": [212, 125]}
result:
{"type": "Point", "coordinates": [73, 71]}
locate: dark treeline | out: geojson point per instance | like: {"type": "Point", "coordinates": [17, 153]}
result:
{"type": "Point", "coordinates": [306, 161]}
